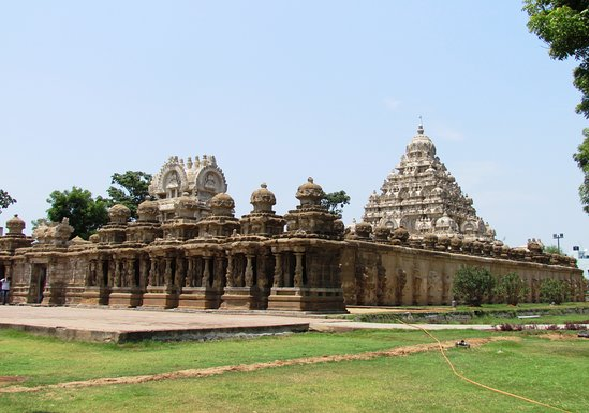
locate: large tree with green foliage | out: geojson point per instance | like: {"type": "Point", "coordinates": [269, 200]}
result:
{"type": "Point", "coordinates": [564, 26]}
{"type": "Point", "coordinates": [582, 158]}
{"type": "Point", "coordinates": [129, 189]}
{"type": "Point", "coordinates": [85, 213]}
{"type": "Point", "coordinates": [335, 201]}
{"type": "Point", "coordinates": [5, 200]}
{"type": "Point", "coordinates": [554, 291]}
{"type": "Point", "coordinates": [472, 285]}
{"type": "Point", "coordinates": [511, 289]}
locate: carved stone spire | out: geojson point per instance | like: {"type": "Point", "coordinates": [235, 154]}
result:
{"type": "Point", "coordinates": [420, 130]}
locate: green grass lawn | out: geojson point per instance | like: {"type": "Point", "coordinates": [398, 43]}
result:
{"type": "Point", "coordinates": [490, 314]}
{"type": "Point", "coordinates": [553, 372]}
{"type": "Point", "coordinates": [44, 360]}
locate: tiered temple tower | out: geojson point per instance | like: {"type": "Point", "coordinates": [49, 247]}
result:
{"type": "Point", "coordinates": [422, 196]}
{"type": "Point", "coordinates": [200, 180]}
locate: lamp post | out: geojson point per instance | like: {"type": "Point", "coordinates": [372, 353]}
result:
{"type": "Point", "coordinates": [557, 237]}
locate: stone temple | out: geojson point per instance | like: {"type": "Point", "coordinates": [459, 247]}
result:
{"type": "Point", "coordinates": [423, 197]}
{"type": "Point", "coordinates": [187, 249]}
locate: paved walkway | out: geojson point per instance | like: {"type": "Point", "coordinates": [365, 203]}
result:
{"type": "Point", "coordinates": [119, 325]}
{"type": "Point", "coordinates": [105, 324]}
{"type": "Point", "coordinates": [344, 325]}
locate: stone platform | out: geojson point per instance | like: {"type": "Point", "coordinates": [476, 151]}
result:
{"type": "Point", "coordinates": [124, 325]}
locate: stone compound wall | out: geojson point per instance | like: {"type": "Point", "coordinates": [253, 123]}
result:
{"type": "Point", "coordinates": [376, 274]}
{"type": "Point", "coordinates": [370, 274]}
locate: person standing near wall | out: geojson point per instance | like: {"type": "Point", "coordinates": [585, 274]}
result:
{"type": "Point", "coordinates": [5, 289]}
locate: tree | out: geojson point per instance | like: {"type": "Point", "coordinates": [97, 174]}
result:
{"type": "Point", "coordinates": [5, 200]}
{"type": "Point", "coordinates": [131, 189]}
{"type": "Point", "coordinates": [335, 201]}
{"type": "Point", "coordinates": [582, 159]}
{"type": "Point", "coordinates": [554, 291]}
{"type": "Point", "coordinates": [564, 25]}
{"type": "Point", "coordinates": [511, 289]}
{"type": "Point", "coordinates": [85, 213]}
{"type": "Point", "coordinates": [552, 249]}
{"type": "Point", "coordinates": [473, 284]}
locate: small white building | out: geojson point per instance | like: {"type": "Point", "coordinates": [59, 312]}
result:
{"type": "Point", "coordinates": [582, 256]}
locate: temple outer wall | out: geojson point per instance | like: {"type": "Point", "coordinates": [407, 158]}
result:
{"type": "Point", "coordinates": [371, 274]}
{"type": "Point", "coordinates": [387, 275]}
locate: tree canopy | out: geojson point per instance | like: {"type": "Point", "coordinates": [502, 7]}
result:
{"type": "Point", "coordinates": [582, 159]}
{"type": "Point", "coordinates": [472, 285]}
{"type": "Point", "coordinates": [85, 213]}
{"type": "Point", "coordinates": [5, 200]}
{"type": "Point", "coordinates": [130, 189]}
{"type": "Point", "coordinates": [335, 201]}
{"type": "Point", "coordinates": [564, 26]}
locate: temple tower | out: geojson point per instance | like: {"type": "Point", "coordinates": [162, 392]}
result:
{"type": "Point", "coordinates": [200, 179]}
{"type": "Point", "coordinates": [422, 196]}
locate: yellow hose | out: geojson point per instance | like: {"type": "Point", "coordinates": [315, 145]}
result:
{"type": "Point", "coordinates": [476, 383]}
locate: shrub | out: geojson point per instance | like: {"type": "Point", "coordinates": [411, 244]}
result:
{"type": "Point", "coordinates": [473, 284]}
{"type": "Point", "coordinates": [511, 289]}
{"type": "Point", "coordinates": [573, 326]}
{"type": "Point", "coordinates": [511, 327]}
{"type": "Point", "coordinates": [556, 291]}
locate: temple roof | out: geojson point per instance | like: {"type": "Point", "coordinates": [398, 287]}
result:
{"type": "Point", "coordinates": [423, 196]}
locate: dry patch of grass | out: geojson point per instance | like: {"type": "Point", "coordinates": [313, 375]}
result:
{"type": "Point", "coordinates": [213, 371]}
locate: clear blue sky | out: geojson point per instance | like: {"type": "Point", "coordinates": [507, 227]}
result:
{"type": "Point", "coordinates": [283, 90]}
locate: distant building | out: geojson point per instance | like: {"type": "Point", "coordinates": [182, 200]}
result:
{"type": "Point", "coordinates": [582, 257]}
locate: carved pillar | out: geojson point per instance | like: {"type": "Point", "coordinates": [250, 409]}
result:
{"type": "Point", "coordinates": [240, 273]}
{"type": "Point", "coordinates": [198, 270]}
{"type": "Point", "coordinates": [117, 280]}
{"type": "Point", "coordinates": [261, 276]}
{"type": "Point", "coordinates": [152, 277]}
{"type": "Point", "coordinates": [91, 275]}
{"type": "Point", "coordinates": [278, 277]}
{"type": "Point", "coordinates": [298, 274]}
{"type": "Point", "coordinates": [180, 272]}
{"type": "Point", "coordinates": [218, 280]}
{"type": "Point", "coordinates": [131, 272]}
{"type": "Point", "coordinates": [206, 274]}
{"type": "Point", "coordinates": [229, 273]}
{"type": "Point", "coordinates": [168, 282]}
{"type": "Point", "coordinates": [144, 272]}
{"type": "Point", "coordinates": [189, 282]}
{"type": "Point", "coordinates": [249, 271]}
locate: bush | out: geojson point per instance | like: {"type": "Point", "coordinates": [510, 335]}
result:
{"type": "Point", "coordinates": [511, 289]}
{"type": "Point", "coordinates": [473, 284]}
{"type": "Point", "coordinates": [573, 326]}
{"type": "Point", "coordinates": [554, 291]}
{"type": "Point", "coordinates": [511, 327]}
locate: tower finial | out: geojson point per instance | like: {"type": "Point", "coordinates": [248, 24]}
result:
{"type": "Point", "coordinates": [420, 126]}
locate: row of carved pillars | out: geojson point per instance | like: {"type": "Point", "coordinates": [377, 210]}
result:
{"type": "Point", "coordinates": [243, 269]}
{"type": "Point", "coordinates": [117, 272]}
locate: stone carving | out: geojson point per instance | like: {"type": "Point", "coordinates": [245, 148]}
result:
{"type": "Point", "coordinates": [200, 180]}
{"type": "Point", "coordinates": [56, 234]}
{"type": "Point", "coordinates": [423, 196]}
{"type": "Point", "coordinates": [187, 249]}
